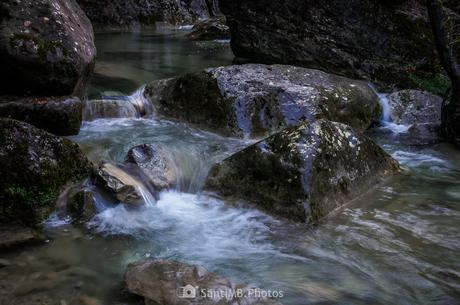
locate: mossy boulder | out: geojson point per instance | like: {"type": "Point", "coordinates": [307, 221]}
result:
{"type": "Point", "coordinates": [46, 48]}
{"type": "Point", "coordinates": [256, 100]}
{"type": "Point", "coordinates": [303, 173]}
{"type": "Point", "coordinates": [36, 166]}
{"type": "Point", "coordinates": [61, 116]}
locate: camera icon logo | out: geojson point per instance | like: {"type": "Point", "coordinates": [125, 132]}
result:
{"type": "Point", "coordinates": [186, 292]}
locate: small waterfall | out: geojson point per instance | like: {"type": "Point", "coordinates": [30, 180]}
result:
{"type": "Point", "coordinates": [116, 105]}
{"type": "Point", "coordinates": [386, 119]}
{"type": "Point", "coordinates": [386, 109]}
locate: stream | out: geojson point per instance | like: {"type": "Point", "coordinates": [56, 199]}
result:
{"type": "Point", "coordinates": [399, 244]}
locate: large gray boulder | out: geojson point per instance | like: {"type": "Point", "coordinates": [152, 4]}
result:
{"type": "Point", "coordinates": [61, 116]}
{"type": "Point", "coordinates": [133, 14]}
{"type": "Point", "coordinates": [35, 167]}
{"type": "Point", "coordinates": [304, 173]}
{"type": "Point", "coordinates": [170, 282]}
{"type": "Point", "coordinates": [46, 47]}
{"type": "Point", "coordinates": [420, 111]}
{"type": "Point", "coordinates": [256, 100]}
{"type": "Point", "coordinates": [386, 42]}
{"type": "Point", "coordinates": [157, 164]}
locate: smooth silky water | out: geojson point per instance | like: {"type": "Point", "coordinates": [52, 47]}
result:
{"type": "Point", "coordinates": [398, 244]}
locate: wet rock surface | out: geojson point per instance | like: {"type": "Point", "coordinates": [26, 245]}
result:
{"type": "Point", "coordinates": [256, 100]}
{"type": "Point", "coordinates": [46, 48]}
{"type": "Point", "coordinates": [157, 164]}
{"type": "Point", "coordinates": [159, 282]}
{"type": "Point", "coordinates": [133, 14]}
{"type": "Point", "coordinates": [210, 29]}
{"type": "Point", "coordinates": [304, 173]}
{"type": "Point", "coordinates": [35, 167]}
{"type": "Point", "coordinates": [58, 115]}
{"type": "Point", "coordinates": [421, 112]}
{"type": "Point", "coordinates": [383, 41]}
{"type": "Point", "coordinates": [117, 181]}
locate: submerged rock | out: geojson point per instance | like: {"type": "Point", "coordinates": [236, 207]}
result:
{"type": "Point", "coordinates": [46, 47]}
{"type": "Point", "coordinates": [58, 115]}
{"type": "Point", "coordinates": [383, 41]}
{"type": "Point", "coordinates": [109, 108]}
{"type": "Point", "coordinates": [133, 14]}
{"type": "Point", "coordinates": [35, 167]}
{"type": "Point", "coordinates": [210, 29]}
{"type": "Point", "coordinates": [13, 236]}
{"type": "Point", "coordinates": [420, 111]}
{"type": "Point", "coordinates": [304, 173]}
{"type": "Point", "coordinates": [170, 282]}
{"type": "Point", "coordinates": [256, 100]}
{"type": "Point", "coordinates": [157, 164]}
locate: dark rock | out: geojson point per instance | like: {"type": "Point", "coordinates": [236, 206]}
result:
{"type": "Point", "coordinates": [254, 100]}
{"type": "Point", "coordinates": [419, 110]}
{"type": "Point", "coordinates": [304, 173]}
{"type": "Point", "coordinates": [160, 282]}
{"type": "Point", "coordinates": [46, 48]}
{"type": "Point", "coordinates": [132, 14]}
{"type": "Point", "coordinates": [383, 41]}
{"type": "Point", "coordinates": [156, 162]}
{"type": "Point", "coordinates": [210, 29]}
{"type": "Point", "coordinates": [412, 106]}
{"type": "Point", "coordinates": [123, 185]}
{"type": "Point", "coordinates": [15, 236]}
{"type": "Point", "coordinates": [78, 203]}
{"type": "Point", "coordinates": [35, 167]}
{"type": "Point", "coordinates": [58, 115]}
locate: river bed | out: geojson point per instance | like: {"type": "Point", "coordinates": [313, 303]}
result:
{"type": "Point", "coordinates": [398, 244]}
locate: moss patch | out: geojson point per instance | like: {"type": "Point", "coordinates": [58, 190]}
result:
{"type": "Point", "coordinates": [43, 46]}
{"type": "Point", "coordinates": [435, 83]}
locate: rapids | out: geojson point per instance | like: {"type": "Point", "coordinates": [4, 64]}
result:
{"type": "Point", "coordinates": [396, 245]}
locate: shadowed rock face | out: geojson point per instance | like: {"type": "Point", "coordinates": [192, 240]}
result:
{"type": "Point", "coordinates": [145, 13]}
{"type": "Point", "coordinates": [256, 100]}
{"type": "Point", "coordinates": [383, 41]}
{"type": "Point", "coordinates": [421, 112]}
{"type": "Point", "coordinates": [46, 47]}
{"type": "Point", "coordinates": [58, 115]}
{"type": "Point", "coordinates": [158, 282]}
{"type": "Point", "coordinates": [303, 173]}
{"type": "Point", "coordinates": [210, 29]}
{"type": "Point", "coordinates": [35, 167]}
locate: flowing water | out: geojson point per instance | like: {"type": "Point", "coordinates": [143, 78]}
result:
{"type": "Point", "coordinates": [399, 244]}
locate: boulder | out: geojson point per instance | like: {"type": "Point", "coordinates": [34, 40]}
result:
{"type": "Point", "coordinates": [419, 112]}
{"type": "Point", "coordinates": [303, 173]}
{"type": "Point", "coordinates": [61, 116]}
{"type": "Point", "coordinates": [170, 282]}
{"type": "Point", "coordinates": [46, 48]}
{"type": "Point", "coordinates": [119, 182]}
{"type": "Point", "coordinates": [35, 167]}
{"type": "Point", "coordinates": [210, 29]}
{"type": "Point", "coordinates": [157, 164]}
{"type": "Point", "coordinates": [256, 100]}
{"type": "Point", "coordinates": [132, 14]}
{"type": "Point", "coordinates": [382, 41]}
